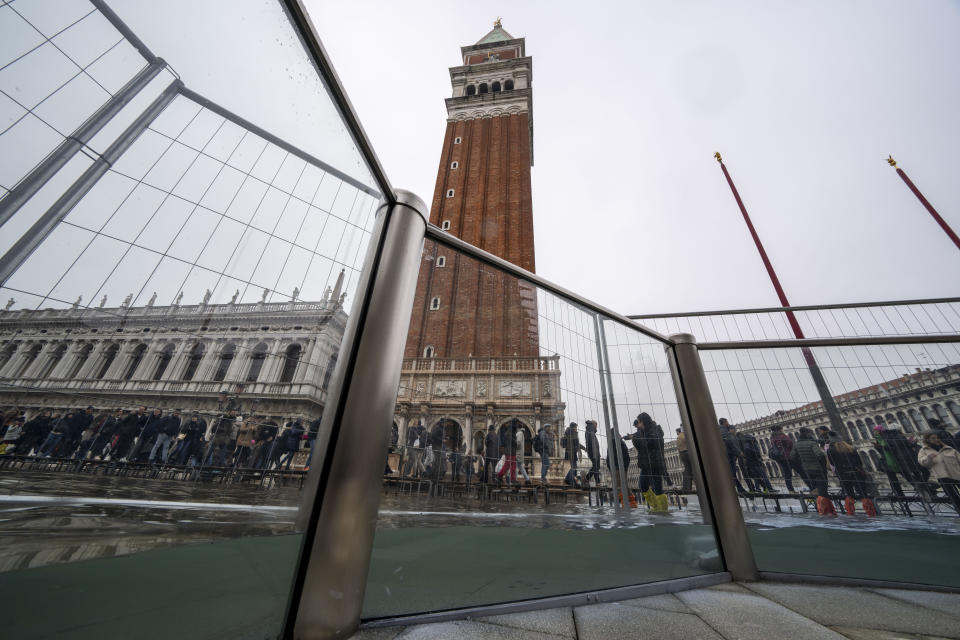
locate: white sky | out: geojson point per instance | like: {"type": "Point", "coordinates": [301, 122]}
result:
{"type": "Point", "coordinates": [632, 99]}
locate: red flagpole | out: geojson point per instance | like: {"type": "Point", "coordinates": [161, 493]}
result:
{"type": "Point", "coordinates": [797, 331]}
{"type": "Point", "coordinates": [823, 390]}
{"type": "Point", "coordinates": [933, 212]}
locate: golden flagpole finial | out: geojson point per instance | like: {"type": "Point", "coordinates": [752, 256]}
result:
{"type": "Point", "coordinates": [891, 162]}
{"type": "Point", "coordinates": [718, 157]}
{"type": "Point", "coordinates": [496, 22]}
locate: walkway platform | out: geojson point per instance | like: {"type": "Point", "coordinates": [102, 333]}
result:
{"type": "Point", "coordinates": [741, 611]}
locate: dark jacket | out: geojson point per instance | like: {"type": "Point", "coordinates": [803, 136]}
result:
{"type": "Point", "coordinates": [170, 425]}
{"type": "Point", "coordinates": [811, 457]}
{"type": "Point", "coordinates": [292, 437]}
{"type": "Point", "coordinates": [492, 445]}
{"type": "Point", "coordinates": [571, 444]}
{"type": "Point", "coordinates": [750, 447]}
{"type": "Point", "coordinates": [593, 446]}
{"type": "Point", "coordinates": [846, 465]}
{"type": "Point", "coordinates": [894, 445]}
{"type": "Point", "coordinates": [731, 442]}
{"type": "Point", "coordinates": [151, 427]}
{"type": "Point", "coordinates": [193, 431]}
{"type": "Point", "coordinates": [624, 456]}
{"type": "Point", "coordinates": [546, 443]}
{"type": "Point", "coordinates": [783, 443]}
{"type": "Point", "coordinates": [508, 439]}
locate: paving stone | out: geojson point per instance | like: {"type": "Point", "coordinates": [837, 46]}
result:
{"type": "Point", "coordinates": [858, 608]}
{"type": "Point", "coordinates": [662, 602]}
{"type": "Point", "coordinates": [554, 621]}
{"type": "Point", "coordinates": [878, 634]}
{"type": "Point", "coordinates": [608, 621]}
{"type": "Point", "coordinates": [379, 633]}
{"type": "Point", "coordinates": [747, 616]}
{"type": "Point", "coordinates": [469, 630]}
{"type": "Point", "coordinates": [730, 586]}
{"type": "Point", "coordinates": [948, 603]}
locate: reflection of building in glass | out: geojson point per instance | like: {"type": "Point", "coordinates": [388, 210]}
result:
{"type": "Point", "coordinates": [906, 403]}
{"type": "Point", "coordinates": [281, 354]}
{"type": "Point", "coordinates": [473, 352]}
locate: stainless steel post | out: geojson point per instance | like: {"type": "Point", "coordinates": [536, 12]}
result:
{"type": "Point", "coordinates": [343, 489]}
{"type": "Point", "coordinates": [710, 454]}
{"type": "Point", "coordinates": [29, 241]}
{"type": "Point", "coordinates": [620, 465]}
{"type": "Point", "coordinates": [607, 412]}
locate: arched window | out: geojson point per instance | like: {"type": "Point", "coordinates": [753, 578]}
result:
{"type": "Point", "coordinates": [471, 90]}
{"type": "Point", "coordinates": [508, 85]}
{"type": "Point", "coordinates": [853, 431]}
{"type": "Point", "coordinates": [888, 419]}
{"type": "Point", "coordinates": [495, 87]}
{"type": "Point", "coordinates": [445, 225]}
{"type": "Point", "coordinates": [954, 411]}
{"type": "Point", "coordinates": [915, 419]}
{"type": "Point", "coordinates": [108, 357]}
{"type": "Point", "coordinates": [53, 360]}
{"type": "Point", "coordinates": [429, 352]}
{"type": "Point", "coordinates": [226, 358]}
{"type": "Point", "coordinates": [7, 353]}
{"type": "Point", "coordinates": [163, 361]}
{"type": "Point", "coordinates": [942, 414]}
{"type": "Point", "coordinates": [82, 356]}
{"type": "Point", "coordinates": [193, 361]}
{"type": "Point", "coordinates": [454, 165]}
{"type": "Point", "coordinates": [435, 303]}
{"type": "Point", "coordinates": [291, 358]}
{"type": "Point", "coordinates": [902, 419]}
{"type": "Point", "coordinates": [31, 356]}
{"type": "Point", "coordinates": [441, 261]}
{"type": "Point", "coordinates": [867, 463]}
{"type": "Point", "coordinates": [483, 88]}
{"type": "Point", "coordinates": [135, 359]}
{"type": "Point", "coordinates": [875, 459]}
{"type": "Point", "coordinates": [864, 432]}
{"type": "Point", "coordinates": [256, 362]}
{"type": "Point", "coordinates": [450, 193]}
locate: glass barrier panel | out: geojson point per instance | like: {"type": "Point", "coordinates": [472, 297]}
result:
{"type": "Point", "coordinates": [500, 484]}
{"type": "Point", "coordinates": [166, 349]}
{"type": "Point", "coordinates": [848, 496]}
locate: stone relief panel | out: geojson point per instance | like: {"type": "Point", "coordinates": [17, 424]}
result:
{"type": "Point", "coordinates": [514, 388]}
{"type": "Point", "coordinates": [482, 388]}
{"type": "Point", "coordinates": [449, 388]}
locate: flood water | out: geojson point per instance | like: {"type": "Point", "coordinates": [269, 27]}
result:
{"type": "Point", "coordinates": [48, 518]}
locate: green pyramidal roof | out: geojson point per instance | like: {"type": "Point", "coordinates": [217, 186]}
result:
{"type": "Point", "coordinates": [497, 34]}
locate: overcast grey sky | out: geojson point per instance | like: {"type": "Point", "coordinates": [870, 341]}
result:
{"type": "Point", "coordinates": [631, 100]}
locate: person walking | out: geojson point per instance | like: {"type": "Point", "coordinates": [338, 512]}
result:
{"type": "Point", "coordinates": [508, 449]}
{"type": "Point", "coordinates": [814, 462]}
{"type": "Point", "coordinates": [853, 479]}
{"type": "Point", "coordinates": [943, 461]}
{"type": "Point", "coordinates": [592, 448]}
{"type": "Point", "coordinates": [521, 456]}
{"type": "Point", "coordinates": [291, 442]}
{"type": "Point", "coordinates": [781, 448]}
{"type": "Point", "coordinates": [734, 453]}
{"type": "Point", "coordinates": [169, 428]}
{"type": "Point", "coordinates": [571, 452]}
{"type": "Point", "coordinates": [491, 447]}
{"type": "Point", "coordinates": [543, 445]}
{"type": "Point", "coordinates": [754, 472]}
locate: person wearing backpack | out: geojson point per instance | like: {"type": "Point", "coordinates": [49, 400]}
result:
{"type": "Point", "coordinates": [571, 452]}
{"type": "Point", "coordinates": [781, 446]}
{"type": "Point", "coordinates": [543, 445]}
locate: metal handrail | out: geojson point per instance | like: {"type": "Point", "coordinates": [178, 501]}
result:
{"type": "Point", "coordinates": [828, 342]}
{"type": "Point", "coordinates": [812, 307]}
{"type": "Point", "coordinates": [442, 237]}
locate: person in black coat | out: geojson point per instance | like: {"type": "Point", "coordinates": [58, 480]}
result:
{"type": "Point", "coordinates": [149, 433]}
{"type": "Point", "coordinates": [937, 427]}
{"type": "Point", "coordinates": [624, 457]}
{"type": "Point", "coordinates": [168, 429]}
{"type": "Point", "coordinates": [191, 444]}
{"type": "Point", "coordinates": [491, 454]}
{"type": "Point", "coordinates": [648, 441]}
{"type": "Point", "coordinates": [35, 431]}
{"type": "Point", "coordinates": [593, 451]}
{"type": "Point", "coordinates": [756, 475]}
{"type": "Point", "coordinates": [291, 442]}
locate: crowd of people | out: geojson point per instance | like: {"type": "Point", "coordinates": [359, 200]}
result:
{"type": "Point", "coordinates": [219, 439]}
{"type": "Point", "coordinates": [500, 457]}
{"type": "Point", "coordinates": [931, 463]}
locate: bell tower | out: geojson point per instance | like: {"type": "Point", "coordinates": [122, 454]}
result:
{"type": "Point", "coordinates": [482, 196]}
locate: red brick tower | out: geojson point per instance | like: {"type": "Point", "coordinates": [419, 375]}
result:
{"type": "Point", "coordinates": [483, 197]}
